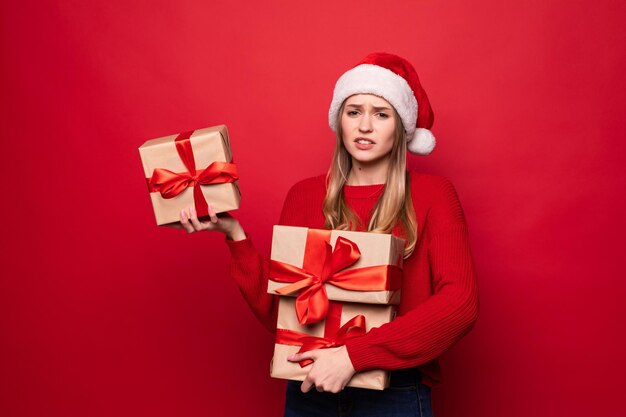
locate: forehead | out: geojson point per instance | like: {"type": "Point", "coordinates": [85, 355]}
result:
{"type": "Point", "coordinates": [367, 99]}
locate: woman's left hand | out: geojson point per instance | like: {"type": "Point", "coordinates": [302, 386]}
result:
{"type": "Point", "coordinates": [331, 370]}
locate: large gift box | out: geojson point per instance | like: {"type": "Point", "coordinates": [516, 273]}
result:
{"type": "Point", "coordinates": [189, 170]}
{"type": "Point", "coordinates": [344, 320]}
{"type": "Point", "coordinates": [320, 265]}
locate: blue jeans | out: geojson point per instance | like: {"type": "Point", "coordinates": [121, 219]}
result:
{"type": "Point", "coordinates": [405, 397]}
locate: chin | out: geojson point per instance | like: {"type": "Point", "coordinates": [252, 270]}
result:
{"type": "Point", "coordinates": [367, 160]}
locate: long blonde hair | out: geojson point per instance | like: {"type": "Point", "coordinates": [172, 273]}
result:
{"type": "Point", "coordinates": [394, 204]}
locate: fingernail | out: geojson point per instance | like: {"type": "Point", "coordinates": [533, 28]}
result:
{"type": "Point", "coordinates": [210, 207]}
{"type": "Point", "coordinates": [182, 214]}
{"type": "Point", "coordinates": [191, 210]}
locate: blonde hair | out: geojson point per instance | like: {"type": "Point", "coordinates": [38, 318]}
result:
{"type": "Point", "coordinates": [394, 204]}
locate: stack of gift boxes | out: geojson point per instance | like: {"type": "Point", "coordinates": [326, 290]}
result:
{"type": "Point", "coordinates": [333, 285]}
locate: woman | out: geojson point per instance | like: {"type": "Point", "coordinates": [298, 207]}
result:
{"type": "Point", "coordinates": [379, 111]}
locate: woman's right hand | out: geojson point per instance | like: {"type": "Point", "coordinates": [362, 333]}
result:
{"type": "Point", "coordinates": [224, 223]}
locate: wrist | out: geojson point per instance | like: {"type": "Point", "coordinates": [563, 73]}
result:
{"type": "Point", "coordinates": [236, 232]}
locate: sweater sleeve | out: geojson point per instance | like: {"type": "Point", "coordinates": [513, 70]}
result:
{"type": "Point", "coordinates": [250, 270]}
{"type": "Point", "coordinates": [432, 327]}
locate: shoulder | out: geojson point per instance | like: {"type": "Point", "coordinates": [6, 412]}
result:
{"type": "Point", "coordinates": [436, 197]}
{"type": "Point", "coordinates": [309, 187]}
{"type": "Point", "coordinates": [306, 191]}
{"type": "Point", "coordinates": [303, 204]}
{"type": "Point", "coordinates": [431, 187]}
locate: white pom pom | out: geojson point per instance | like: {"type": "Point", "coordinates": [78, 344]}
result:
{"type": "Point", "coordinates": [423, 142]}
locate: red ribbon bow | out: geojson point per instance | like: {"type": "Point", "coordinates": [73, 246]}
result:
{"type": "Point", "coordinates": [312, 301]}
{"type": "Point", "coordinates": [353, 328]}
{"type": "Point", "coordinates": [170, 184]}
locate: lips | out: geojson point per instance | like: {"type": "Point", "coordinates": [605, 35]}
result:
{"type": "Point", "coordinates": [364, 144]}
{"type": "Point", "coordinates": [364, 141]}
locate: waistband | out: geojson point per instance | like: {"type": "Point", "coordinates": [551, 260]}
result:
{"type": "Point", "coordinates": [410, 377]}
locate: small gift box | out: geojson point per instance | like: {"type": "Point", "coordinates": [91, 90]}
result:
{"type": "Point", "coordinates": [189, 170]}
{"type": "Point", "coordinates": [317, 265]}
{"type": "Point", "coordinates": [344, 320]}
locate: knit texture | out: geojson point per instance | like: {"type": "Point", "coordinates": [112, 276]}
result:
{"type": "Point", "coordinates": [439, 302]}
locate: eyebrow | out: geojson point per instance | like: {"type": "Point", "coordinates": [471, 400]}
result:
{"type": "Point", "coordinates": [375, 108]}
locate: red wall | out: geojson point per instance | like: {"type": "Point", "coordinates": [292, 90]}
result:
{"type": "Point", "coordinates": [104, 314]}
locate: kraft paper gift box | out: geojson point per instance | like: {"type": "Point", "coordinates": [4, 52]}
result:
{"type": "Point", "coordinates": [189, 170]}
{"type": "Point", "coordinates": [290, 335]}
{"type": "Point", "coordinates": [319, 265]}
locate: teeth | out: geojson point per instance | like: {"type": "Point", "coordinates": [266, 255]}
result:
{"type": "Point", "coordinates": [364, 142]}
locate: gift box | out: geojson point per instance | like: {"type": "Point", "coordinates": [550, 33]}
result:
{"type": "Point", "coordinates": [320, 265]}
{"type": "Point", "coordinates": [189, 170]}
{"type": "Point", "coordinates": [344, 320]}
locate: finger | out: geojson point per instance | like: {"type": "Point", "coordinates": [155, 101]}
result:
{"type": "Point", "coordinates": [212, 214]}
{"type": "Point", "coordinates": [194, 219]}
{"type": "Point", "coordinates": [297, 357]}
{"type": "Point", "coordinates": [307, 384]}
{"type": "Point", "coordinates": [336, 389]}
{"type": "Point", "coordinates": [184, 221]}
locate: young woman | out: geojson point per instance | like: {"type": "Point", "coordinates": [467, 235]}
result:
{"type": "Point", "coordinates": [379, 111]}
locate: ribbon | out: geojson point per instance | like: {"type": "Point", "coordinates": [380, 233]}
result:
{"type": "Point", "coordinates": [353, 328]}
{"type": "Point", "coordinates": [170, 184]}
{"type": "Point", "coordinates": [326, 266]}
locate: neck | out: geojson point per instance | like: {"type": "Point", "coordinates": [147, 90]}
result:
{"type": "Point", "coordinates": [368, 174]}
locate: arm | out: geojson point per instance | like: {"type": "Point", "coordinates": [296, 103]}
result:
{"type": "Point", "coordinates": [248, 268]}
{"type": "Point", "coordinates": [432, 327]}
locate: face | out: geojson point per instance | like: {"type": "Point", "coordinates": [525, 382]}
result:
{"type": "Point", "coordinates": [368, 124]}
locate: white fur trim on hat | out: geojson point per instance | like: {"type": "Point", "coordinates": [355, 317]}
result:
{"type": "Point", "coordinates": [373, 79]}
{"type": "Point", "coordinates": [422, 143]}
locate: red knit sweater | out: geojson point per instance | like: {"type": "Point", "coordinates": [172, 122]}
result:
{"type": "Point", "coordinates": [439, 295]}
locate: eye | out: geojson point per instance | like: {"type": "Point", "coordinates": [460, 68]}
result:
{"type": "Point", "coordinates": [382, 115]}
{"type": "Point", "coordinates": [352, 113]}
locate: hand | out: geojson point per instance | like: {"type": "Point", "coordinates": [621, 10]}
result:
{"type": "Point", "coordinates": [224, 223]}
{"type": "Point", "coordinates": [331, 370]}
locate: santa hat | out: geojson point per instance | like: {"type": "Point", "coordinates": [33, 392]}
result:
{"type": "Point", "coordinates": [394, 79]}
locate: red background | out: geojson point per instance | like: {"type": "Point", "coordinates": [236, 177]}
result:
{"type": "Point", "coordinates": [102, 313]}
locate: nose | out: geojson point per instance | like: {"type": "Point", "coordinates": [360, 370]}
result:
{"type": "Point", "coordinates": [365, 124]}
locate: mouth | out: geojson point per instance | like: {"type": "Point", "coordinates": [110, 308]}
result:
{"type": "Point", "coordinates": [364, 141]}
